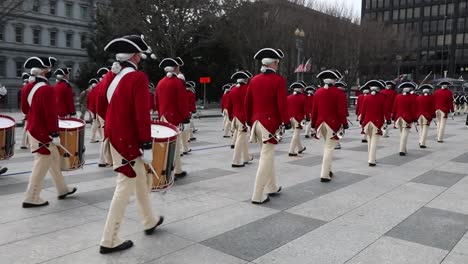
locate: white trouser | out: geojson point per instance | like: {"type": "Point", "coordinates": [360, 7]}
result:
{"type": "Point", "coordinates": [363, 136]}
{"type": "Point", "coordinates": [24, 139]}
{"type": "Point", "coordinates": [372, 141]}
{"type": "Point", "coordinates": [404, 133]}
{"type": "Point", "coordinates": [124, 189]}
{"type": "Point", "coordinates": [234, 136]}
{"type": "Point", "coordinates": [296, 144]}
{"type": "Point", "coordinates": [226, 123]}
{"type": "Point", "coordinates": [184, 138]}
{"type": "Point", "coordinates": [192, 128]}
{"type": "Point", "coordinates": [465, 110]}
{"type": "Point", "coordinates": [423, 130]}
{"type": "Point", "coordinates": [308, 129]}
{"type": "Point", "coordinates": [329, 147]}
{"type": "Point", "coordinates": [241, 147]}
{"type": "Point", "coordinates": [95, 128]}
{"type": "Point", "coordinates": [441, 123]}
{"type": "Point", "coordinates": [104, 157]}
{"type": "Point", "coordinates": [265, 180]}
{"type": "Point", "coordinates": [42, 164]}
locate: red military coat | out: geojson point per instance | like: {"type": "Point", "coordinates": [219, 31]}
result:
{"type": "Point", "coordinates": [42, 113]}
{"type": "Point", "coordinates": [344, 98]}
{"type": "Point", "coordinates": [128, 119]}
{"type": "Point", "coordinates": [266, 102]}
{"type": "Point", "coordinates": [101, 97]}
{"type": "Point", "coordinates": [390, 99]}
{"type": "Point", "coordinates": [225, 101]}
{"type": "Point", "coordinates": [297, 106]}
{"type": "Point", "coordinates": [359, 103]}
{"type": "Point", "coordinates": [64, 98]}
{"type": "Point", "coordinates": [91, 104]}
{"type": "Point", "coordinates": [171, 100]}
{"type": "Point", "coordinates": [309, 105]}
{"type": "Point", "coordinates": [235, 104]}
{"type": "Point", "coordinates": [405, 107]}
{"type": "Point", "coordinates": [330, 108]}
{"type": "Point", "coordinates": [443, 100]}
{"type": "Point", "coordinates": [425, 105]}
{"type": "Point", "coordinates": [373, 110]}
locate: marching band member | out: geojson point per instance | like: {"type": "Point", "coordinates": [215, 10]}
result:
{"type": "Point", "coordinates": [39, 105]}
{"type": "Point", "coordinates": [404, 113]}
{"type": "Point", "coordinates": [151, 98]}
{"type": "Point", "coordinates": [443, 107]}
{"type": "Point", "coordinates": [360, 101]}
{"type": "Point", "coordinates": [3, 92]}
{"type": "Point", "coordinates": [24, 139]}
{"type": "Point", "coordinates": [342, 86]}
{"type": "Point", "coordinates": [193, 108]}
{"type": "Point", "coordinates": [171, 100]}
{"type": "Point", "coordinates": [329, 118]}
{"type": "Point", "coordinates": [425, 113]}
{"type": "Point", "coordinates": [309, 91]}
{"type": "Point", "coordinates": [224, 103]}
{"type": "Point", "coordinates": [105, 78]}
{"type": "Point", "coordinates": [390, 94]}
{"type": "Point", "coordinates": [235, 108]}
{"type": "Point", "coordinates": [128, 127]}
{"type": "Point", "coordinates": [297, 113]}
{"type": "Point", "coordinates": [92, 110]}
{"type": "Point", "coordinates": [373, 115]}
{"type": "Point", "coordinates": [185, 135]}
{"type": "Point", "coordinates": [64, 93]}
{"type": "Point", "coordinates": [265, 105]}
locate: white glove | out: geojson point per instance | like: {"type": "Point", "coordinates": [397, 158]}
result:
{"type": "Point", "coordinates": [147, 156]}
{"type": "Point", "coordinates": [56, 141]}
{"type": "Point", "coordinates": [3, 91]}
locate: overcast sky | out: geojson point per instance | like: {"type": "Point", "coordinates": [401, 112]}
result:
{"type": "Point", "coordinates": [355, 4]}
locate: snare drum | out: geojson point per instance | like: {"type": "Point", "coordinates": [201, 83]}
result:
{"type": "Point", "coordinates": [72, 149]}
{"type": "Point", "coordinates": [164, 146]}
{"type": "Point", "coordinates": [7, 137]}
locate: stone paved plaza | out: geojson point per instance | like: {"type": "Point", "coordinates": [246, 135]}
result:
{"type": "Point", "coordinates": [410, 209]}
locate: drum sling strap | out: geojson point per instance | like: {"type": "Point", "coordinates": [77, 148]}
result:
{"type": "Point", "coordinates": [116, 81]}
{"type": "Point", "coordinates": [34, 90]}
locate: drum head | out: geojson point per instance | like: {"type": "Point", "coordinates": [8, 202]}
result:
{"type": "Point", "coordinates": [6, 122]}
{"type": "Point", "coordinates": [162, 132]}
{"type": "Point", "coordinates": [69, 124]}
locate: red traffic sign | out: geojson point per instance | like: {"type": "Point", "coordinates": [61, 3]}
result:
{"type": "Point", "coordinates": [205, 79]}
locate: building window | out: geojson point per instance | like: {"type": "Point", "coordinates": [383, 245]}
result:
{"type": "Point", "coordinates": [83, 41]}
{"type": "Point", "coordinates": [448, 40]}
{"type": "Point", "coordinates": [19, 68]}
{"type": "Point", "coordinates": [69, 10]}
{"type": "Point", "coordinates": [52, 7]}
{"type": "Point", "coordinates": [425, 28]}
{"type": "Point", "coordinates": [417, 12]}
{"type": "Point", "coordinates": [69, 39]}
{"type": "Point", "coordinates": [36, 5]}
{"type": "Point", "coordinates": [2, 67]}
{"type": "Point", "coordinates": [450, 8]}
{"type": "Point", "coordinates": [19, 34]}
{"type": "Point", "coordinates": [432, 41]}
{"type": "Point", "coordinates": [459, 39]}
{"type": "Point", "coordinates": [53, 38]}
{"type": "Point", "coordinates": [84, 12]}
{"type": "Point", "coordinates": [427, 11]}
{"type": "Point", "coordinates": [462, 8]}
{"type": "Point", "coordinates": [386, 15]}
{"type": "Point", "coordinates": [395, 14]}
{"type": "Point", "coordinates": [402, 14]}
{"type": "Point", "coordinates": [36, 36]}
{"type": "Point", "coordinates": [448, 25]}
{"type": "Point", "coordinates": [409, 13]}
{"type": "Point", "coordinates": [435, 10]}
{"type": "Point", "coordinates": [424, 41]}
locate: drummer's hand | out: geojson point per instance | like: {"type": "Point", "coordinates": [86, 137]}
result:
{"type": "Point", "coordinates": [147, 156]}
{"type": "Point", "coordinates": [56, 140]}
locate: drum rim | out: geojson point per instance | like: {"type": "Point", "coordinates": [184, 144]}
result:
{"type": "Point", "coordinates": [8, 117]}
{"type": "Point", "coordinates": [169, 125]}
{"type": "Point", "coordinates": [83, 123]}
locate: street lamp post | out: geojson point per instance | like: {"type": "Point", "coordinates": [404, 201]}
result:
{"type": "Point", "coordinates": [300, 34]}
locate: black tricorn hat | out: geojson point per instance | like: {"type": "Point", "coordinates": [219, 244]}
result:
{"type": "Point", "coordinates": [329, 74]}
{"type": "Point", "coordinates": [128, 44]}
{"type": "Point", "coordinates": [425, 86]}
{"type": "Point", "coordinates": [269, 53]}
{"type": "Point", "coordinates": [102, 71]}
{"type": "Point", "coordinates": [170, 62]}
{"type": "Point", "coordinates": [93, 81]}
{"type": "Point", "coordinates": [227, 86]}
{"type": "Point", "coordinates": [297, 85]}
{"type": "Point", "coordinates": [62, 71]}
{"type": "Point", "coordinates": [25, 76]}
{"type": "Point", "coordinates": [52, 61]}
{"type": "Point", "coordinates": [445, 83]}
{"type": "Point", "coordinates": [38, 62]}
{"type": "Point", "coordinates": [390, 83]}
{"type": "Point", "coordinates": [190, 84]}
{"type": "Point", "coordinates": [374, 83]}
{"type": "Point", "coordinates": [310, 88]}
{"type": "Point", "coordinates": [341, 84]}
{"type": "Point", "coordinates": [240, 75]}
{"type": "Point", "coordinates": [407, 85]}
